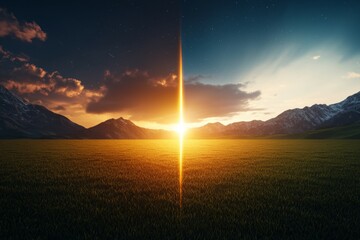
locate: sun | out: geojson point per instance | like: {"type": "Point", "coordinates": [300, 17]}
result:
{"type": "Point", "coordinates": [180, 129]}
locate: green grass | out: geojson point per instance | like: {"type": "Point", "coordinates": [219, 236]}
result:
{"type": "Point", "coordinates": [344, 132]}
{"type": "Point", "coordinates": [129, 189]}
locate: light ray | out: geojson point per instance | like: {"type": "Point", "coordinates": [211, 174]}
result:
{"type": "Point", "coordinates": [181, 126]}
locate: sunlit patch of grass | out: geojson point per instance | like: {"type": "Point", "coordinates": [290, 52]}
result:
{"type": "Point", "coordinates": [246, 189]}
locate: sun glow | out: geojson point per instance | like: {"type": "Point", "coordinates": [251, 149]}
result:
{"type": "Point", "coordinates": [181, 130]}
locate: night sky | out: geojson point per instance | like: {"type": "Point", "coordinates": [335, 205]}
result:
{"type": "Point", "coordinates": [84, 40]}
{"type": "Point", "coordinates": [243, 60]}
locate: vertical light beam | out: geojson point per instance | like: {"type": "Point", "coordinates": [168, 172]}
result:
{"type": "Point", "coordinates": [181, 95]}
{"type": "Point", "coordinates": [181, 122]}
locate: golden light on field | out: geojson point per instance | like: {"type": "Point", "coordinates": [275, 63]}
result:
{"type": "Point", "coordinates": [181, 127]}
{"type": "Point", "coordinates": [180, 170]}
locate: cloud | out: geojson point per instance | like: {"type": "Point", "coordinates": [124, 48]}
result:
{"type": "Point", "coordinates": [133, 93]}
{"type": "Point", "coordinates": [155, 99]}
{"type": "Point", "coordinates": [352, 75]}
{"type": "Point", "coordinates": [196, 78]}
{"type": "Point", "coordinates": [59, 108]}
{"type": "Point", "coordinates": [137, 94]}
{"type": "Point", "coordinates": [29, 78]}
{"type": "Point", "coordinates": [27, 31]}
{"type": "Point", "coordinates": [6, 55]}
{"type": "Point", "coordinates": [206, 100]}
{"type": "Point", "coordinates": [37, 85]}
{"type": "Point", "coordinates": [317, 57]}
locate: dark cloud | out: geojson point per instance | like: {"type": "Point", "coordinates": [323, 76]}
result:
{"type": "Point", "coordinates": [27, 31]}
{"type": "Point", "coordinates": [137, 94]}
{"type": "Point", "coordinates": [6, 55]}
{"type": "Point", "coordinates": [156, 99]}
{"type": "Point", "coordinates": [59, 108]}
{"type": "Point", "coordinates": [206, 100]}
{"type": "Point", "coordinates": [196, 78]}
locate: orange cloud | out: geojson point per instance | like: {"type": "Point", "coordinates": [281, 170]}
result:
{"type": "Point", "coordinates": [50, 89]}
{"type": "Point", "coordinates": [10, 26]}
{"type": "Point", "coordinates": [29, 78]}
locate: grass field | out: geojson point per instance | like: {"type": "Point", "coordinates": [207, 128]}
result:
{"type": "Point", "coordinates": [129, 189]}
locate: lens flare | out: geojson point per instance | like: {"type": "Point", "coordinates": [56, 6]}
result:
{"type": "Point", "coordinates": [181, 126]}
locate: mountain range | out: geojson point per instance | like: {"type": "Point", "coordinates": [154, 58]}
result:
{"type": "Point", "coordinates": [290, 122]}
{"type": "Point", "coordinates": [21, 119]}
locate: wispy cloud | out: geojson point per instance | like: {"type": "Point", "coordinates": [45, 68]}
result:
{"type": "Point", "coordinates": [6, 55]}
{"type": "Point", "coordinates": [316, 57]}
{"type": "Point", "coordinates": [27, 31]}
{"type": "Point", "coordinates": [352, 75]}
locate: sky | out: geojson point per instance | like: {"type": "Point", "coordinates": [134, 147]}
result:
{"type": "Point", "coordinates": [243, 60]}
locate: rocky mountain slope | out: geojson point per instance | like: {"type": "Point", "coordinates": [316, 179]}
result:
{"type": "Point", "coordinates": [20, 119]}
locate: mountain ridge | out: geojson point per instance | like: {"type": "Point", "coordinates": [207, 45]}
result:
{"type": "Point", "coordinates": [21, 119]}
{"type": "Point", "coordinates": [122, 129]}
{"type": "Point", "coordinates": [293, 121]}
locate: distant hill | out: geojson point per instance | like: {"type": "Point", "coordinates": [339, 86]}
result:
{"type": "Point", "coordinates": [123, 129]}
{"type": "Point", "coordinates": [344, 132]}
{"type": "Point", "coordinates": [20, 119]}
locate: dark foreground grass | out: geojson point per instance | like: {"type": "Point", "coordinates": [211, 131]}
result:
{"type": "Point", "coordinates": [129, 189]}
